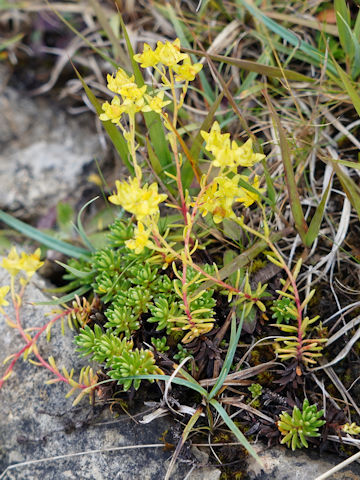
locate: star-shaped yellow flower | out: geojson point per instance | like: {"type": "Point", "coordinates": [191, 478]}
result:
{"type": "Point", "coordinates": [215, 140]}
{"type": "Point", "coordinates": [245, 157]}
{"type": "Point", "coordinates": [112, 111]}
{"type": "Point", "coordinates": [187, 71]}
{"type": "Point", "coordinates": [31, 262]}
{"type": "Point", "coordinates": [149, 57]}
{"type": "Point", "coordinates": [143, 201]}
{"type": "Point", "coordinates": [245, 196]}
{"type": "Point", "coordinates": [121, 80]}
{"type": "Point", "coordinates": [140, 240]}
{"type": "Point", "coordinates": [156, 103]}
{"type": "Point", "coordinates": [12, 263]}
{"type": "Point", "coordinates": [169, 53]}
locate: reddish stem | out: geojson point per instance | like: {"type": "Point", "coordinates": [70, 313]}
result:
{"type": "Point", "coordinates": [32, 341]}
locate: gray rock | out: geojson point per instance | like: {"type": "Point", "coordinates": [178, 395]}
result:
{"type": "Point", "coordinates": [47, 437]}
{"type": "Point", "coordinates": [45, 154]}
{"type": "Point", "coordinates": [283, 464]}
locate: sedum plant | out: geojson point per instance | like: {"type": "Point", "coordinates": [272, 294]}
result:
{"type": "Point", "coordinates": [150, 273]}
{"type": "Point", "coordinates": [155, 296]}
{"type": "Point", "coordinates": [300, 425]}
{"type": "Point", "coordinates": [147, 276]}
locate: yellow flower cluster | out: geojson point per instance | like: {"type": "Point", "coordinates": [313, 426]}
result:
{"type": "Point", "coordinates": [229, 154]}
{"type": "Point", "coordinates": [169, 55]}
{"type": "Point", "coordinates": [136, 99]}
{"type": "Point", "coordinates": [351, 429]}
{"type": "Point", "coordinates": [133, 98]}
{"type": "Point", "coordinates": [143, 202]}
{"type": "Point", "coordinates": [223, 192]}
{"type": "Point", "coordinates": [27, 263]}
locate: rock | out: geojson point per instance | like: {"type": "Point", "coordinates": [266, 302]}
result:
{"type": "Point", "coordinates": [46, 154]}
{"type": "Point", "coordinates": [284, 464]}
{"type": "Point", "coordinates": [43, 437]}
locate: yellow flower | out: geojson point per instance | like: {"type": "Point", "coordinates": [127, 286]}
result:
{"type": "Point", "coordinates": [226, 156]}
{"type": "Point", "coordinates": [245, 155]}
{"type": "Point", "coordinates": [155, 103]}
{"type": "Point", "coordinates": [141, 201]}
{"type": "Point", "coordinates": [187, 71]}
{"type": "Point", "coordinates": [219, 198]}
{"type": "Point", "coordinates": [229, 155]}
{"type": "Point", "coordinates": [215, 140]}
{"type": "Point", "coordinates": [140, 240]}
{"type": "Point", "coordinates": [3, 292]}
{"type": "Point", "coordinates": [12, 263]}
{"type": "Point", "coordinates": [120, 81]}
{"type": "Point", "coordinates": [148, 58]}
{"type": "Point", "coordinates": [133, 93]}
{"type": "Point", "coordinates": [31, 263]}
{"type": "Point", "coordinates": [169, 53]}
{"type": "Point", "coordinates": [112, 111]}
{"type": "Point", "coordinates": [131, 107]}
{"type": "Point", "coordinates": [245, 196]}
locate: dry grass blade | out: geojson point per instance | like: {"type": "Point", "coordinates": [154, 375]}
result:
{"type": "Point", "coordinates": [337, 124]}
{"type": "Point", "coordinates": [342, 354]}
{"type": "Point", "coordinates": [291, 184]}
{"type": "Point", "coordinates": [187, 430]}
{"type": "Point", "coordinates": [120, 55]}
{"type": "Point", "coordinates": [343, 391]}
{"type": "Point", "coordinates": [306, 22]}
{"type": "Point", "coordinates": [237, 377]}
{"type": "Point", "coordinates": [61, 62]}
{"type": "Point", "coordinates": [235, 402]}
{"type": "Point", "coordinates": [355, 321]}
{"type": "Point", "coordinates": [78, 454]}
{"type": "Point", "coordinates": [225, 37]}
{"type": "Point", "coordinates": [338, 467]}
{"type": "Point", "coordinates": [350, 187]}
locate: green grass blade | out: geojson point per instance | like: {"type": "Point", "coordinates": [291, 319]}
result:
{"type": "Point", "coordinates": [66, 298]}
{"type": "Point", "coordinates": [75, 271]}
{"type": "Point", "coordinates": [288, 35]}
{"type": "Point", "coordinates": [80, 227]}
{"type": "Point", "coordinates": [271, 192]}
{"type": "Point", "coordinates": [115, 135]}
{"type": "Point", "coordinates": [244, 184]}
{"type": "Point", "coordinates": [152, 119]}
{"type": "Point", "coordinates": [357, 26]}
{"type": "Point", "coordinates": [291, 185]}
{"type": "Point", "coordinates": [238, 434]}
{"type": "Point", "coordinates": [347, 163]}
{"type": "Point", "coordinates": [351, 91]}
{"type": "Point", "coordinates": [251, 66]}
{"type": "Point", "coordinates": [43, 238]}
{"type": "Point", "coordinates": [315, 223]}
{"type": "Point", "coordinates": [351, 189]}
{"type": "Point", "coordinates": [234, 340]}
{"type": "Point", "coordinates": [179, 381]}
{"type": "Point", "coordinates": [343, 23]}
